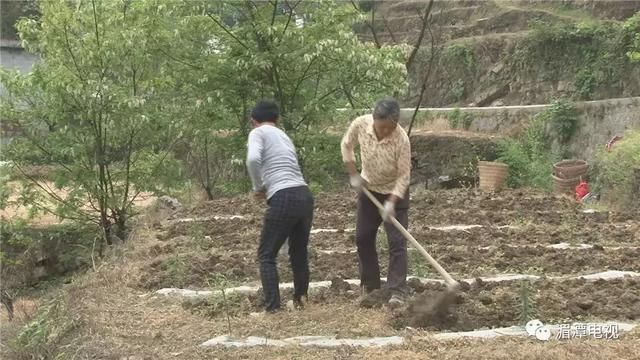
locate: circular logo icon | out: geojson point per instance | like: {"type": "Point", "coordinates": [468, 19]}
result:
{"type": "Point", "coordinates": [543, 333]}
{"type": "Point", "coordinates": [532, 326]}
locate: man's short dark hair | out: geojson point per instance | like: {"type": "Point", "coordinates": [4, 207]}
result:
{"type": "Point", "coordinates": [265, 110]}
{"type": "Point", "coordinates": [387, 109]}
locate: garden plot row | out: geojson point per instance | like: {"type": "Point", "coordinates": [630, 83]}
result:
{"type": "Point", "coordinates": [485, 307]}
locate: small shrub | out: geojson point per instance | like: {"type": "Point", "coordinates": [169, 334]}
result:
{"type": "Point", "coordinates": [616, 172]}
{"type": "Point", "coordinates": [40, 338]}
{"type": "Point", "coordinates": [454, 118]}
{"type": "Point", "coordinates": [526, 301]}
{"type": "Point", "coordinates": [563, 119]}
{"type": "Point", "coordinates": [458, 119]}
{"type": "Point", "coordinates": [586, 83]}
{"type": "Point", "coordinates": [32, 254]}
{"type": "Point", "coordinates": [216, 164]}
{"type": "Point", "coordinates": [526, 168]}
{"type": "Point", "coordinates": [418, 266]}
{"type": "Point", "coordinates": [531, 157]}
{"type": "Point", "coordinates": [467, 119]}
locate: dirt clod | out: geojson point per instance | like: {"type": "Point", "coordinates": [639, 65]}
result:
{"type": "Point", "coordinates": [338, 285]}
{"type": "Point", "coordinates": [432, 309]}
{"type": "Point", "coordinates": [376, 298]}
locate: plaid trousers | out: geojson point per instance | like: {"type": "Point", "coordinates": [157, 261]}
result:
{"type": "Point", "coordinates": [289, 215]}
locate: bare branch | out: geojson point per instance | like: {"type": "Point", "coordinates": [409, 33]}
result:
{"type": "Point", "coordinates": [156, 168]}
{"type": "Point", "coordinates": [425, 79]}
{"type": "Point", "coordinates": [388, 28]}
{"type": "Point", "coordinates": [275, 11]}
{"type": "Point", "coordinates": [425, 23]}
{"type": "Point", "coordinates": [303, 77]}
{"type": "Point", "coordinates": [370, 24]}
{"type": "Point", "coordinates": [167, 54]}
{"type": "Point", "coordinates": [291, 11]}
{"type": "Point", "coordinates": [52, 194]}
{"type": "Point", "coordinates": [228, 31]}
{"type": "Point", "coordinates": [73, 57]}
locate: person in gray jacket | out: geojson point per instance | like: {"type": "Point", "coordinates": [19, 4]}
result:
{"type": "Point", "coordinates": [275, 174]}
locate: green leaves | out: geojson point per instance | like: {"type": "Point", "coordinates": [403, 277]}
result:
{"type": "Point", "coordinates": [126, 92]}
{"type": "Point", "coordinates": [617, 171]}
{"type": "Point", "coordinates": [632, 28]}
{"type": "Point", "coordinates": [95, 107]}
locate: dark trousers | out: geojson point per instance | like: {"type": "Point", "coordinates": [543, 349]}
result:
{"type": "Point", "coordinates": [367, 224]}
{"type": "Point", "coordinates": [289, 215]}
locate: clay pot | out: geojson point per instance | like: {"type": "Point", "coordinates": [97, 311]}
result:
{"type": "Point", "coordinates": [569, 169]}
{"type": "Point", "coordinates": [565, 186]}
{"type": "Point", "coordinates": [493, 175]}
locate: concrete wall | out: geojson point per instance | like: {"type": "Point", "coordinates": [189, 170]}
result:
{"type": "Point", "coordinates": [601, 120]}
{"type": "Point", "coordinates": [13, 57]}
{"type": "Point", "coordinates": [598, 121]}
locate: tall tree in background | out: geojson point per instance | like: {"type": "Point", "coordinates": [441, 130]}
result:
{"type": "Point", "coordinates": [305, 55]}
{"type": "Point", "coordinates": [377, 24]}
{"type": "Point", "coordinates": [302, 54]}
{"type": "Point", "coordinates": [98, 106]}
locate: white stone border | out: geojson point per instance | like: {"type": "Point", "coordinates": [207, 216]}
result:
{"type": "Point", "coordinates": [319, 341]}
{"type": "Point", "coordinates": [520, 330]}
{"type": "Point", "coordinates": [332, 341]}
{"type": "Point", "coordinates": [250, 290]}
{"type": "Point", "coordinates": [558, 246]}
{"type": "Point", "coordinates": [207, 218]}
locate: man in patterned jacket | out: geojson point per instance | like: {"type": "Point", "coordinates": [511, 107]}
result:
{"type": "Point", "coordinates": [386, 165]}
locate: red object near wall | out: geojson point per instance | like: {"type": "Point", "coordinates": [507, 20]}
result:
{"type": "Point", "coordinates": [582, 190]}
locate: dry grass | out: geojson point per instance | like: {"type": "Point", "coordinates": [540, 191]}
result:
{"type": "Point", "coordinates": [16, 210]}
{"type": "Point", "coordinates": [504, 348]}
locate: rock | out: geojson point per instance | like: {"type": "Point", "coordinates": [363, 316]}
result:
{"type": "Point", "coordinates": [169, 202]}
{"type": "Point", "coordinates": [376, 298]}
{"type": "Point", "coordinates": [339, 285]}
{"type": "Point", "coordinates": [290, 305]}
{"type": "Point", "coordinates": [584, 304]}
{"type": "Point", "coordinates": [498, 68]}
{"type": "Point", "coordinates": [566, 86]}
{"type": "Point", "coordinates": [497, 103]}
{"type": "Point", "coordinates": [494, 93]}
{"type": "Point", "coordinates": [485, 298]}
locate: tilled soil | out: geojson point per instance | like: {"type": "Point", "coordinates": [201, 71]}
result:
{"type": "Point", "coordinates": [501, 304]}
{"type": "Point", "coordinates": [604, 234]}
{"type": "Point", "coordinates": [477, 305]}
{"type": "Point", "coordinates": [239, 267]}
{"type": "Point", "coordinates": [191, 253]}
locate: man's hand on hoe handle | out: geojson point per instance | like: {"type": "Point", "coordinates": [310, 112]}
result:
{"type": "Point", "coordinates": [355, 180]}
{"type": "Point", "coordinates": [358, 183]}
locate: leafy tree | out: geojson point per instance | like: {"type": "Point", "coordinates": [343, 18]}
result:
{"type": "Point", "coordinates": [98, 105]}
{"type": "Point", "coordinates": [632, 26]}
{"type": "Point", "coordinates": [302, 54]}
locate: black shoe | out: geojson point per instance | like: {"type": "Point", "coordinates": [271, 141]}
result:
{"type": "Point", "coordinates": [298, 302]}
